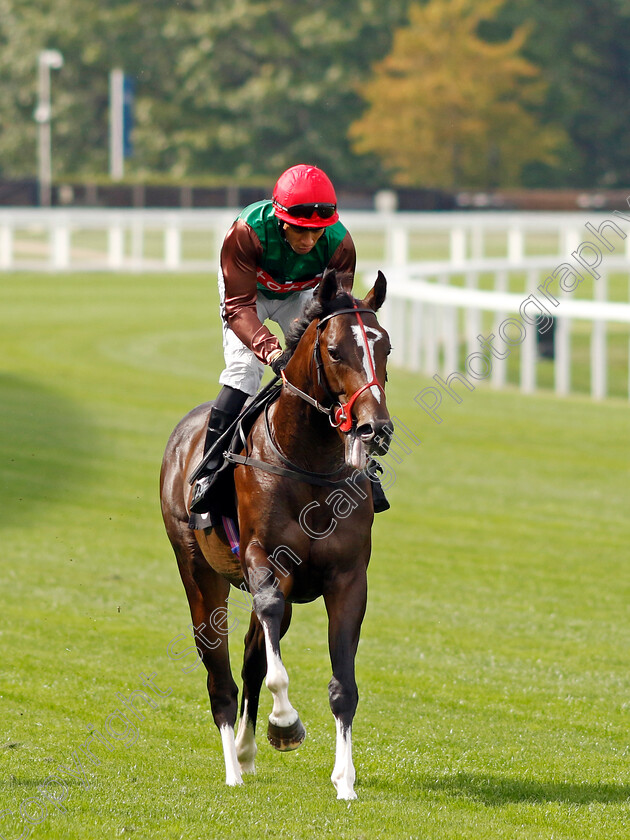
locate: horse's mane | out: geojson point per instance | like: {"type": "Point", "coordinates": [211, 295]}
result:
{"type": "Point", "coordinates": [318, 309]}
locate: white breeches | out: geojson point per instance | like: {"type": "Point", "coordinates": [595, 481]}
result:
{"type": "Point", "coordinates": [243, 370]}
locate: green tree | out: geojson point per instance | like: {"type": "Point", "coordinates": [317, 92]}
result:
{"type": "Point", "coordinates": [93, 39]}
{"type": "Point", "coordinates": [448, 108]}
{"type": "Point", "coordinates": [583, 50]}
{"type": "Point", "coordinates": [259, 85]}
{"type": "Point", "coordinates": [234, 89]}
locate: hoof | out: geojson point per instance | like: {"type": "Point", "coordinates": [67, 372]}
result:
{"type": "Point", "coordinates": [286, 738]}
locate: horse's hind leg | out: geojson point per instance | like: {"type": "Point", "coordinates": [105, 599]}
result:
{"type": "Point", "coordinates": [254, 669]}
{"type": "Point", "coordinates": [207, 593]}
{"type": "Point", "coordinates": [254, 664]}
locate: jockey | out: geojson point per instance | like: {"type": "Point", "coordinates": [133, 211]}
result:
{"type": "Point", "coordinates": [272, 259]}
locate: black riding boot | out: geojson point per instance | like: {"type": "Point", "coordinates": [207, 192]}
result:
{"type": "Point", "coordinates": [378, 494]}
{"type": "Point", "coordinates": [224, 412]}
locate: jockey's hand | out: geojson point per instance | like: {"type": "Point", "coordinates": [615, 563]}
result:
{"type": "Point", "coordinates": [278, 360]}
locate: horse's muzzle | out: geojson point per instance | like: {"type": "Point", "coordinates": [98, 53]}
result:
{"type": "Point", "coordinates": [376, 436]}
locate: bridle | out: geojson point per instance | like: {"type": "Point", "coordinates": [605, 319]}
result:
{"type": "Point", "coordinates": [339, 414]}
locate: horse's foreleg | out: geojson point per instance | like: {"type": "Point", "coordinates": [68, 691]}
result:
{"type": "Point", "coordinates": [285, 730]}
{"type": "Point", "coordinates": [345, 604]}
{"type": "Point", "coordinates": [254, 670]}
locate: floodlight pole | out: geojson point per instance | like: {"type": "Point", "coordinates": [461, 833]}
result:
{"type": "Point", "coordinates": [46, 60]}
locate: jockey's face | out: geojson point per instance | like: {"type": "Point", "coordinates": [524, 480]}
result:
{"type": "Point", "coordinates": [302, 240]}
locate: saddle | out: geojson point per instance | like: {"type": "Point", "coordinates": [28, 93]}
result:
{"type": "Point", "coordinates": [222, 494]}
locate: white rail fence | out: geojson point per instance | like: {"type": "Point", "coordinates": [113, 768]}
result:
{"type": "Point", "coordinates": [434, 321]}
{"type": "Point", "coordinates": [431, 315]}
{"type": "Point", "coordinates": [94, 239]}
{"type": "Point", "coordinates": [111, 240]}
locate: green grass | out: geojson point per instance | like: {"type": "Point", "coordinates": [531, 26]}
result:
{"type": "Point", "coordinates": [493, 666]}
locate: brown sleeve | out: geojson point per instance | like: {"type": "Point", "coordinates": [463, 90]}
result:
{"type": "Point", "coordinates": [240, 256]}
{"type": "Point", "coordinates": [345, 260]}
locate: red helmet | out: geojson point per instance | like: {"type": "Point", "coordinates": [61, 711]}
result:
{"type": "Point", "coordinates": [304, 196]}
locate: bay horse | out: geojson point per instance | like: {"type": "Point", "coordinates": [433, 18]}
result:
{"type": "Point", "coordinates": [305, 514]}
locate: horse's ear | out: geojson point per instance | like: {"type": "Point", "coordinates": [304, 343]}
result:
{"type": "Point", "coordinates": [376, 296]}
{"type": "Point", "coordinates": [329, 287]}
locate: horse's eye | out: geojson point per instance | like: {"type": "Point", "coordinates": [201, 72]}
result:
{"type": "Point", "coordinates": [334, 355]}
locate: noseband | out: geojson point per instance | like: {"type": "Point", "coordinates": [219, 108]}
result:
{"type": "Point", "coordinates": [339, 414]}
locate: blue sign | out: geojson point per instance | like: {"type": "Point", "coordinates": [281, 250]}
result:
{"type": "Point", "coordinates": [129, 93]}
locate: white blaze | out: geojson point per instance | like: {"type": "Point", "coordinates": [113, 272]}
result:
{"type": "Point", "coordinates": [367, 353]}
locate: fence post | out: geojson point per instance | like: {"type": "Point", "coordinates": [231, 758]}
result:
{"type": "Point", "coordinates": [472, 317]}
{"type": "Point", "coordinates": [529, 347]}
{"type": "Point", "coordinates": [60, 235]}
{"type": "Point", "coordinates": [6, 247]}
{"type": "Point", "coordinates": [571, 241]}
{"type": "Point", "coordinates": [430, 354]}
{"type": "Point", "coordinates": [137, 243]}
{"type": "Point", "coordinates": [598, 360]}
{"type": "Point", "coordinates": [115, 246]}
{"type": "Point", "coordinates": [598, 345]}
{"type": "Point", "coordinates": [458, 245]}
{"type": "Point", "coordinates": [451, 340]}
{"type": "Point", "coordinates": [499, 366]}
{"type": "Point", "coordinates": [562, 357]}
{"type": "Point", "coordinates": [516, 248]}
{"type": "Point", "coordinates": [172, 245]}
{"type": "Point", "coordinates": [397, 247]}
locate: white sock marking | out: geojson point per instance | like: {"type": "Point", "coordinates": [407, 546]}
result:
{"type": "Point", "coordinates": [343, 774]}
{"type": "Point", "coordinates": [246, 743]}
{"type": "Point", "coordinates": [232, 770]}
{"type": "Point", "coordinates": [277, 681]}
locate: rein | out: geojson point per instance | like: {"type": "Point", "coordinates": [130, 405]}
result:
{"type": "Point", "coordinates": [339, 414]}
{"type": "Point", "coordinates": [290, 470]}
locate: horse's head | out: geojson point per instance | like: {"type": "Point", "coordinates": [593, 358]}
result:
{"type": "Point", "coordinates": [351, 353]}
